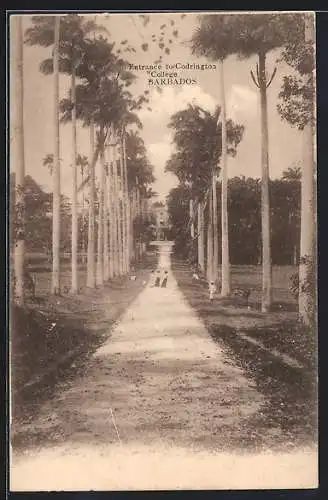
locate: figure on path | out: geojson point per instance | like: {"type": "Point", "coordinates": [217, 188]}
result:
{"type": "Point", "coordinates": [158, 278]}
{"type": "Point", "coordinates": [152, 278]}
{"type": "Point", "coordinates": [212, 290]}
{"type": "Point", "coordinates": [164, 282]}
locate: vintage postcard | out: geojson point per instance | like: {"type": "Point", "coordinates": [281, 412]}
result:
{"type": "Point", "coordinates": [163, 309]}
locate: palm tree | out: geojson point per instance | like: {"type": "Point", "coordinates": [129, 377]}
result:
{"type": "Point", "coordinates": [99, 103]}
{"type": "Point", "coordinates": [225, 266]}
{"type": "Point", "coordinates": [139, 176]}
{"type": "Point", "coordinates": [128, 118]}
{"type": "Point", "coordinates": [110, 195]}
{"type": "Point", "coordinates": [100, 245]}
{"type": "Point", "coordinates": [74, 284]}
{"type": "Point", "coordinates": [106, 219]}
{"type": "Point", "coordinates": [191, 218]}
{"type": "Point", "coordinates": [298, 109]}
{"type": "Point", "coordinates": [245, 35]}
{"type": "Point", "coordinates": [91, 268]}
{"type": "Point", "coordinates": [127, 204]}
{"type": "Point", "coordinates": [200, 231]}
{"type": "Point", "coordinates": [119, 183]}
{"type": "Point", "coordinates": [215, 227]}
{"type": "Point", "coordinates": [18, 138]}
{"type": "Point", "coordinates": [198, 153]}
{"type": "Point", "coordinates": [82, 162]}
{"type": "Point", "coordinates": [83, 29]}
{"type": "Point", "coordinates": [74, 33]}
{"type": "Point", "coordinates": [125, 248]}
{"type": "Point", "coordinates": [132, 218]}
{"type": "Point", "coordinates": [117, 234]}
{"type": "Point", "coordinates": [210, 243]}
{"type": "Point", "coordinates": [56, 168]}
{"type": "Point", "coordinates": [307, 246]}
{"type": "Point", "coordinates": [292, 174]}
{"type": "Point", "coordinates": [48, 161]}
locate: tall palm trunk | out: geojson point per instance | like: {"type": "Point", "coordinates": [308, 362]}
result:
{"type": "Point", "coordinates": [100, 245]}
{"type": "Point", "coordinates": [307, 243]}
{"type": "Point", "coordinates": [132, 236]}
{"type": "Point", "coordinates": [74, 285]}
{"type": "Point", "coordinates": [18, 140]}
{"type": "Point", "coordinates": [295, 255]}
{"type": "Point", "coordinates": [124, 218]}
{"type": "Point", "coordinates": [191, 216]}
{"type": "Point", "coordinates": [225, 269]}
{"type": "Point", "coordinates": [119, 216]}
{"type": "Point", "coordinates": [142, 215]}
{"type": "Point", "coordinates": [127, 204]}
{"type": "Point", "coordinates": [200, 240]}
{"type": "Point", "coordinates": [111, 213]}
{"type": "Point", "coordinates": [135, 215]}
{"type": "Point", "coordinates": [265, 202]}
{"type": "Point", "coordinates": [215, 227]}
{"type": "Point", "coordinates": [141, 219]}
{"type": "Point", "coordinates": [91, 275]}
{"type": "Point", "coordinates": [138, 212]}
{"type": "Point", "coordinates": [106, 229]}
{"type": "Point", "coordinates": [116, 214]}
{"type": "Point", "coordinates": [83, 216]}
{"type": "Point", "coordinates": [55, 288]}
{"type": "Point", "coordinates": [209, 259]}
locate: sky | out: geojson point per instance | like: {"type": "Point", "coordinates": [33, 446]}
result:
{"type": "Point", "coordinates": [285, 142]}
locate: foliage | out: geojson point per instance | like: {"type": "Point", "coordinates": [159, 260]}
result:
{"type": "Point", "coordinates": [244, 34]}
{"type": "Point", "coordinates": [296, 104]}
{"type": "Point", "coordinates": [286, 220]}
{"type": "Point", "coordinates": [143, 228]}
{"type": "Point", "coordinates": [197, 139]}
{"type": "Point", "coordinates": [101, 95]}
{"type": "Point", "coordinates": [244, 207]}
{"type": "Point", "coordinates": [244, 221]}
{"type": "Point", "coordinates": [178, 210]}
{"type": "Point", "coordinates": [292, 174]}
{"type": "Point", "coordinates": [247, 34]}
{"type": "Point", "coordinates": [139, 168]}
{"type": "Point", "coordinates": [38, 217]}
{"type": "Point", "coordinates": [75, 31]}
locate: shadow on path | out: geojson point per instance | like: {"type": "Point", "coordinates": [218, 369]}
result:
{"type": "Point", "coordinates": [288, 416]}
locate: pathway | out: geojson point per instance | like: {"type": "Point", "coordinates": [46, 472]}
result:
{"type": "Point", "coordinates": [158, 406]}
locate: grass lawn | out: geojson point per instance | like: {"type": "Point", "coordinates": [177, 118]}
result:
{"type": "Point", "coordinates": [275, 330]}
{"type": "Point", "coordinates": [50, 328]}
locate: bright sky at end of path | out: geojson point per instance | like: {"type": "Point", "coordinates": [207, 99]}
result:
{"type": "Point", "coordinates": [242, 104]}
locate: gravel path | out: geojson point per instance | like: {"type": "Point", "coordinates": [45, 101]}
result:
{"type": "Point", "coordinates": [158, 406]}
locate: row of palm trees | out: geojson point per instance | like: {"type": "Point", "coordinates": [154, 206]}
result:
{"type": "Point", "coordinates": [245, 35]}
{"type": "Point", "coordinates": [100, 100]}
{"type": "Point", "coordinates": [103, 104]}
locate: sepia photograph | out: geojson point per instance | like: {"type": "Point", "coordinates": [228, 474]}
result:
{"type": "Point", "coordinates": [162, 251]}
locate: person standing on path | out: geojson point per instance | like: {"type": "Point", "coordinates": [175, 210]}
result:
{"type": "Point", "coordinates": [212, 290]}
{"type": "Point", "coordinates": [158, 278]}
{"type": "Point", "coordinates": [164, 282]}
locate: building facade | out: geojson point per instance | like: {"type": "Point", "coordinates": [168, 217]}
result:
{"type": "Point", "coordinates": [162, 224]}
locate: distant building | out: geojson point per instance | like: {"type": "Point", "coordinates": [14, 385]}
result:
{"type": "Point", "coordinates": [162, 224]}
